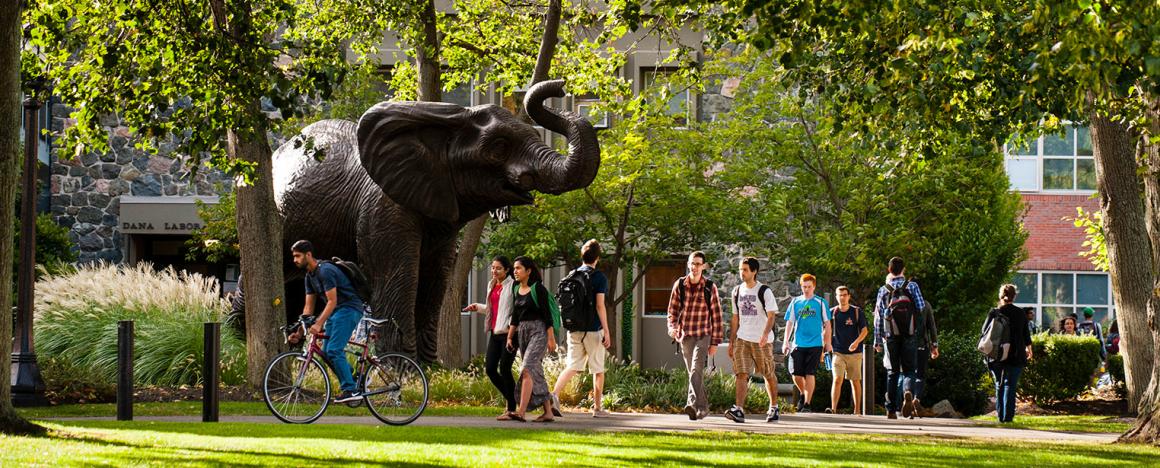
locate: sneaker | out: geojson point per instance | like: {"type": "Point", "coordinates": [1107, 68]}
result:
{"type": "Point", "coordinates": [556, 406]}
{"type": "Point", "coordinates": [891, 415]}
{"type": "Point", "coordinates": [601, 413]}
{"type": "Point", "coordinates": [829, 411]}
{"type": "Point", "coordinates": [773, 415]}
{"type": "Point", "coordinates": [908, 405]}
{"type": "Point", "coordinates": [918, 408]}
{"type": "Point", "coordinates": [692, 412]}
{"type": "Point", "coordinates": [735, 414]}
{"type": "Point", "coordinates": [800, 403]}
{"type": "Point", "coordinates": [347, 396]}
{"type": "Point", "coordinates": [805, 409]}
{"type": "Point", "coordinates": [702, 414]}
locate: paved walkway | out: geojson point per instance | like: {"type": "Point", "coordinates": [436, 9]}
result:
{"type": "Point", "coordinates": [814, 422]}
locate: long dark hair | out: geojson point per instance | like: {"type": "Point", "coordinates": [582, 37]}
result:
{"type": "Point", "coordinates": [505, 263]}
{"type": "Point", "coordinates": [533, 270]}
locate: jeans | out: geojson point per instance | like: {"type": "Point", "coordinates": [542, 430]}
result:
{"type": "Point", "coordinates": [901, 363]}
{"type": "Point", "coordinates": [339, 327]}
{"type": "Point", "coordinates": [499, 368]}
{"type": "Point", "coordinates": [920, 372]}
{"type": "Point", "coordinates": [1006, 379]}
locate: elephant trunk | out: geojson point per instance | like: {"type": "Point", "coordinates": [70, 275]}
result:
{"type": "Point", "coordinates": [555, 173]}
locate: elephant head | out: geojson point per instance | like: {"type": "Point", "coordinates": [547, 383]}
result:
{"type": "Point", "coordinates": [453, 164]}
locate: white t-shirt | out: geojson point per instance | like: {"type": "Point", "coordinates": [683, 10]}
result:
{"type": "Point", "coordinates": [750, 319]}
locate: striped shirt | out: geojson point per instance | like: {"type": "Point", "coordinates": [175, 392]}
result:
{"type": "Point", "coordinates": [696, 318]}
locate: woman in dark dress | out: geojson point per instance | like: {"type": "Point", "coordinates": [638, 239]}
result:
{"type": "Point", "coordinates": [1006, 372]}
{"type": "Point", "coordinates": [531, 325]}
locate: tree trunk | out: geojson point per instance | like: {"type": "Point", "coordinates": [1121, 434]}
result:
{"type": "Point", "coordinates": [10, 421]}
{"type": "Point", "coordinates": [427, 54]}
{"type": "Point", "coordinates": [450, 335]}
{"type": "Point", "coordinates": [1129, 253]}
{"type": "Point", "coordinates": [1147, 428]}
{"type": "Point", "coordinates": [548, 42]}
{"type": "Point", "coordinates": [260, 243]}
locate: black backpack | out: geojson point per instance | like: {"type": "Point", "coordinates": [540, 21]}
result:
{"type": "Point", "coordinates": [357, 278]}
{"type": "Point", "coordinates": [901, 310]}
{"type": "Point", "coordinates": [577, 300]}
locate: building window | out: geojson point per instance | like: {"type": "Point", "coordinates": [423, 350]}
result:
{"type": "Point", "coordinates": [678, 103]}
{"type": "Point", "coordinates": [658, 286]}
{"type": "Point", "coordinates": [460, 95]}
{"type": "Point", "coordinates": [1055, 162]}
{"type": "Point", "coordinates": [1056, 294]}
{"type": "Point", "coordinates": [586, 107]}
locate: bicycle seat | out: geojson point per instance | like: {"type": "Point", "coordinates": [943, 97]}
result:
{"type": "Point", "coordinates": [375, 322]}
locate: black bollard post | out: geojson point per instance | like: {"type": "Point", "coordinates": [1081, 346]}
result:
{"type": "Point", "coordinates": [869, 363]}
{"type": "Point", "coordinates": [211, 373]}
{"type": "Point", "coordinates": [125, 370]}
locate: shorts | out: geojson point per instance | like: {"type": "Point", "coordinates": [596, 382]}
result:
{"type": "Point", "coordinates": [586, 348]}
{"type": "Point", "coordinates": [804, 361]}
{"type": "Point", "coordinates": [749, 357]}
{"type": "Point", "coordinates": [848, 366]}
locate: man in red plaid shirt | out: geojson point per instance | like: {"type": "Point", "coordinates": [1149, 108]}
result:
{"type": "Point", "coordinates": [695, 323]}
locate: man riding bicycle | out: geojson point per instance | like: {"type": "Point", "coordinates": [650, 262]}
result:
{"type": "Point", "coordinates": [341, 314]}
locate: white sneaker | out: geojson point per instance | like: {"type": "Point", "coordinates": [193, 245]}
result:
{"type": "Point", "coordinates": [601, 413]}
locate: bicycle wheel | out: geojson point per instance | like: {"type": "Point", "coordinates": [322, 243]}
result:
{"type": "Point", "coordinates": [296, 391]}
{"type": "Point", "coordinates": [395, 389]}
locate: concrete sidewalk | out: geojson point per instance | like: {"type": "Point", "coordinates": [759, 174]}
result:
{"type": "Point", "coordinates": [792, 423]}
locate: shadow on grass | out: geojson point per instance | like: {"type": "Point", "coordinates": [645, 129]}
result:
{"type": "Point", "coordinates": [605, 449]}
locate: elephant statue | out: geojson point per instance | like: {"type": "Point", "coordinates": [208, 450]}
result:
{"type": "Point", "coordinates": [393, 191]}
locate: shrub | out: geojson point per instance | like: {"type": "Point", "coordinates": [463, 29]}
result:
{"type": "Point", "coordinates": [1116, 367]}
{"type": "Point", "coordinates": [956, 375]}
{"type": "Point", "coordinates": [77, 314]}
{"type": "Point", "coordinates": [1061, 368]}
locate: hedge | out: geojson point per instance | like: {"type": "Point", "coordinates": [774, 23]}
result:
{"type": "Point", "coordinates": [1061, 368]}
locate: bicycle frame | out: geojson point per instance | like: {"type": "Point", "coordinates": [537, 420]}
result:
{"type": "Point", "coordinates": [314, 347]}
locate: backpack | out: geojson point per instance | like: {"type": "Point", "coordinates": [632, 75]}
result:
{"type": "Point", "coordinates": [577, 300]}
{"type": "Point", "coordinates": [1089, 328]}
{"type": "Point", "coordinates": [357, 278]}
{"type": "Point", "coordinates": [760, 297]}
{"type": "Point", "coordinates": [995, 342]}
{"type": "Point", "coordinates": [901, 310]}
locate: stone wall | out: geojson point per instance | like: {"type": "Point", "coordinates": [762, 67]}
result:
{"type": "Point", "coordinates": [86, 191]}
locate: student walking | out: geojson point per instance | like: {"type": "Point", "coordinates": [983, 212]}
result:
{"type": "Point", "coordinates": [807, 335]}
{"type": "Point", "coordinates": [582, 295]}
{"type": "Point", "coordinates": [531, 324]}
{"type": "Point", "coordinates": [927, 351]}
{"type": "Point", "coordinates": [751, 339]}
{"type": "Point", "coordinates": [694, 321]}
{"type": "Point", "coordinates": [498, 362]}
{"type": "Point", "coordinates": [895, 323]}
{"type": "Point", "coordinates": [850, 330]}
{"type": "Point", "coordinates": [1006, 372]}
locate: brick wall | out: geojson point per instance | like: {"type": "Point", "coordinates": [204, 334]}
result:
{"type": "Point", "coordinates": [1054, 242]}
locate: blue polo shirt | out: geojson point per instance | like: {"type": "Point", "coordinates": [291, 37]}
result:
{"type": "Point", "coordinates": [328, 276]}
{"type": "Point", "coordinates": [811, 316]}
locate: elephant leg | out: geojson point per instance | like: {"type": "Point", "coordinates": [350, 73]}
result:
{"type": "Point", "coordinates": [388, 252]}
{"type": "Point", "coordinates": [438, 258]}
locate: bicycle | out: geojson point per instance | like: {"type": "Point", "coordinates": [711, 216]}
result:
{"type": "Point", "coordinates": [297, 388]}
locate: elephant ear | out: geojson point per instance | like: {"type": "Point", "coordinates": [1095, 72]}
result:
{"type": "Point", "coordinates": [403, 147]}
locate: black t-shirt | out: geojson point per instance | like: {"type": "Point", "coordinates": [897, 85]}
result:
{"type": "Point", "coordinates": [525, 309]}
{"type": "Point", "coordinates": [1020, 335]}
{"type": "Point", "coordinates": [847, 326]}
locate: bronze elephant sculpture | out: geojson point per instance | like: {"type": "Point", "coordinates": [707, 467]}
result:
{"type": "Point", "coordinates": [392, 192]}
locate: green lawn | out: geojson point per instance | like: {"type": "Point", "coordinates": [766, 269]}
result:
{"type": "Point", "coordinates": [151, 443]}
{"type": "Point", "coordinates": [226, 408]}
{"type": "Point", "coordinates": [1066, 423]}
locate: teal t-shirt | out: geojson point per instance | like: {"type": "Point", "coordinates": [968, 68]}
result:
{"type": "Point", "coordinates": [811, 316]}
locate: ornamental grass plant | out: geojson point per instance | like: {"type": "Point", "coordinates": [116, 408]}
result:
{"type": "Point", "coordinates": [77, 314]}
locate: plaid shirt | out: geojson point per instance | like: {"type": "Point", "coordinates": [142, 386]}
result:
{"type": "Point", "coordinates": [881, 329]}
{"type": "Point", "coordinates": [698, 318]}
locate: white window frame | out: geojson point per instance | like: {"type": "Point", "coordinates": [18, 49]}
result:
{"type": "Point", "coordinates": [1040, 159]}
{"type": "Point", "coordinates": [666, 70]}
{"type": "Point", "coordinates": [1038, 303]}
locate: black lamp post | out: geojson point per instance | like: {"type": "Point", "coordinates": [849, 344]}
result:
{"type": "Point", "coordinates": [27, 385]}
